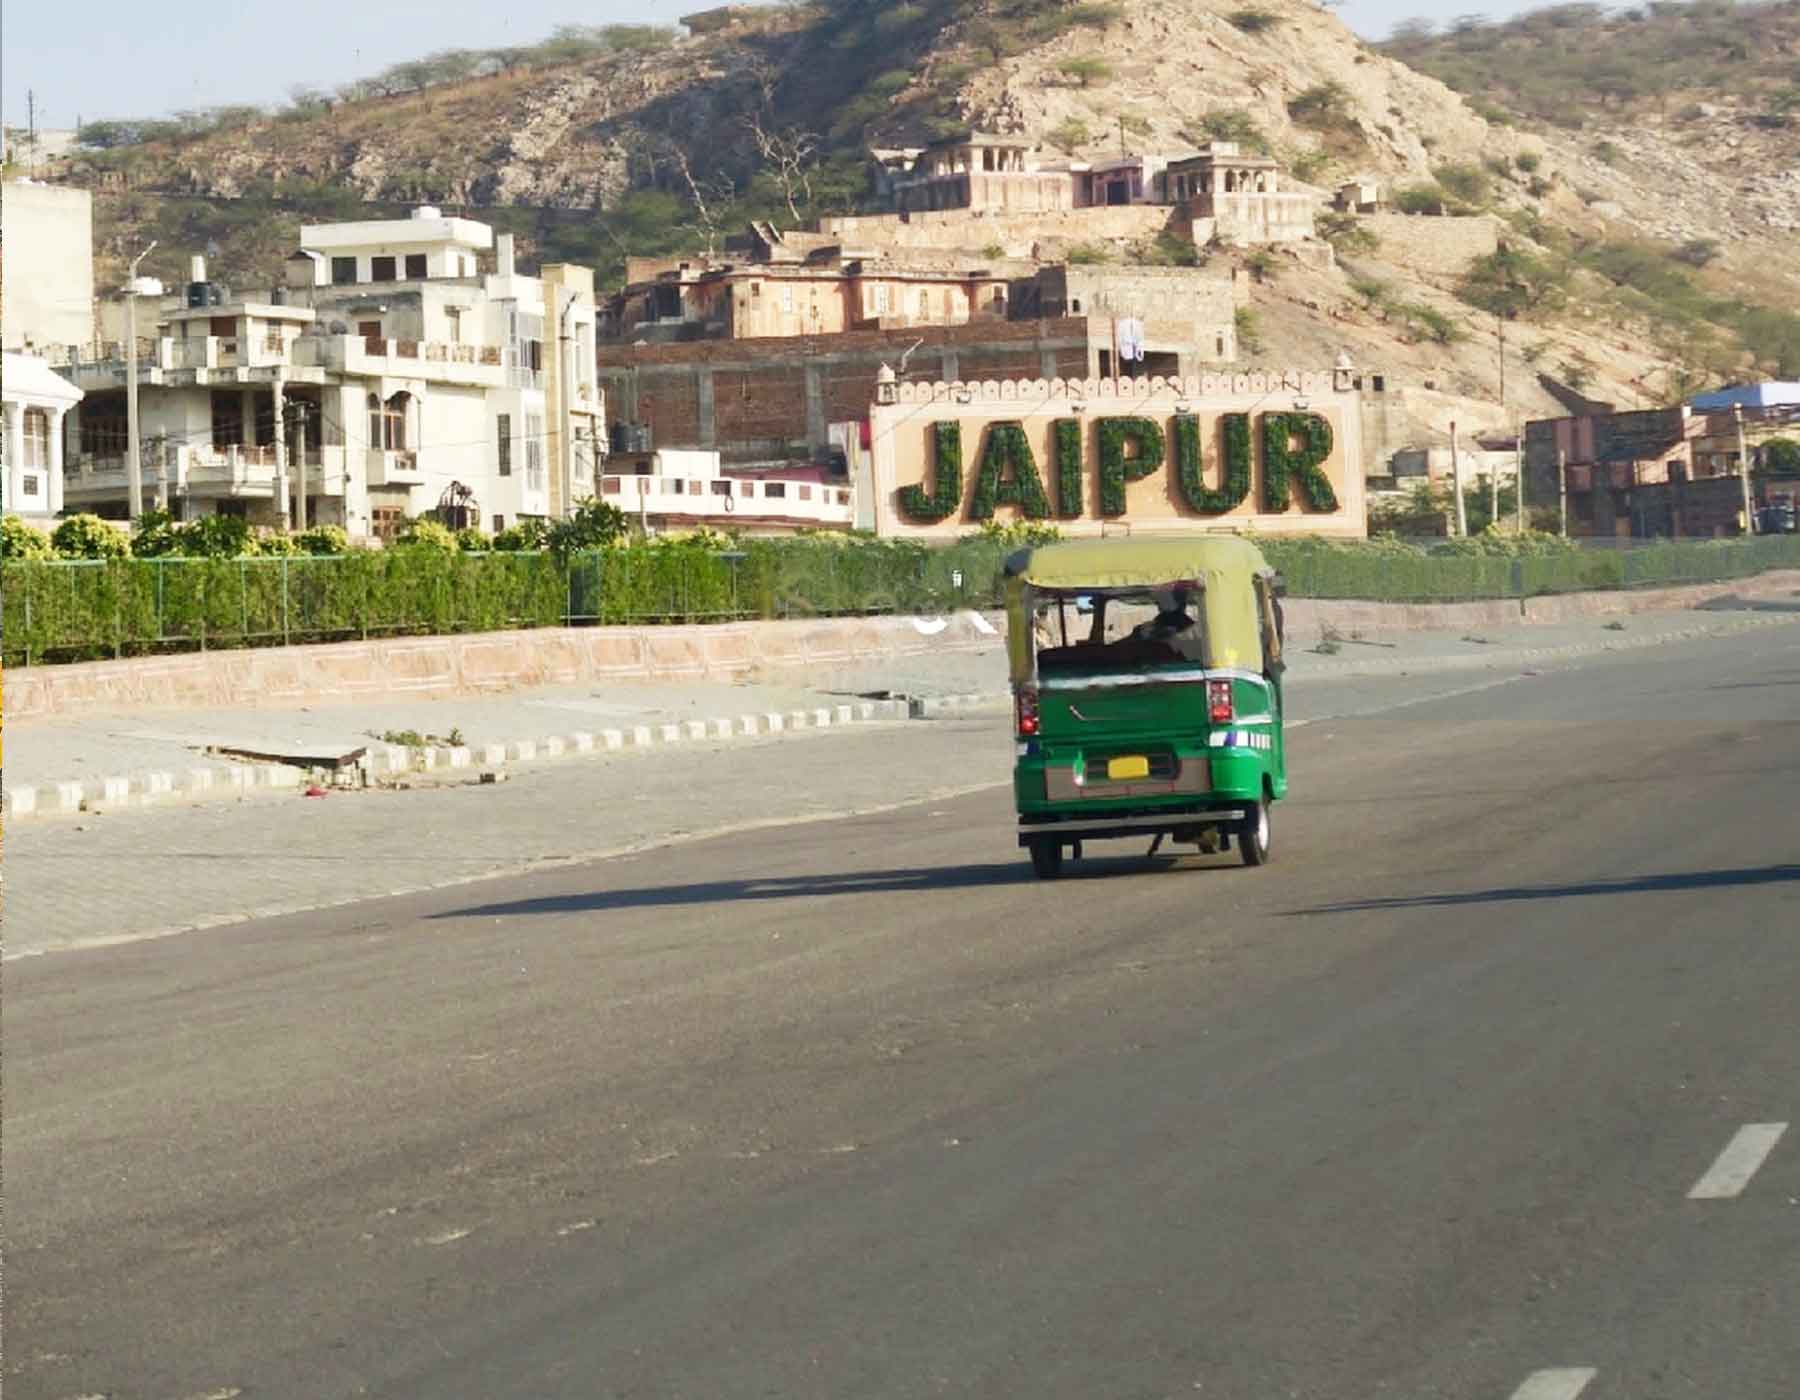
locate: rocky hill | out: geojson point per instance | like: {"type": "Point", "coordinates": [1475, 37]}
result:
{"type": "Point", "coordinates": [1648, 238]}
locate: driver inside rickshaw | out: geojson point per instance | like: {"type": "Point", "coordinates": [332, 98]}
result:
{"type": "Point", "coordinates": [1172, 618]}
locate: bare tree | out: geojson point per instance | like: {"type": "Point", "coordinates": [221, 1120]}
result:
{"type": "Point", "coordinates": [704, 193]}
{"type": "Point", "coordinates": [790, 154]}
{"type": "Point", "coordinates": [766, 74]}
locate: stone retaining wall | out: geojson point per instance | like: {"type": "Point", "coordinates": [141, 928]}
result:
{"type": "Point", "coordinates": [477, 663]}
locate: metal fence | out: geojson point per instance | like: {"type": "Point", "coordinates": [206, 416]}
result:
{"type": "Point", "coordinates": [68, 610]}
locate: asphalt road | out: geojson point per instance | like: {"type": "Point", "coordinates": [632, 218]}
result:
{"type": "Point", "coordinates": [856, 1108]}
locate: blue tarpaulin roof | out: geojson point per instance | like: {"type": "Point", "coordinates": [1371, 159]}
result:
{"type": "Point", "coordinates": [1769, 394]}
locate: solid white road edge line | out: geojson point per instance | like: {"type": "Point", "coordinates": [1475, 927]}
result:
{"type": "Point", "coordinates": [1563, 1383]}
{"type": "Point", "coordinates": [1731, 1171]}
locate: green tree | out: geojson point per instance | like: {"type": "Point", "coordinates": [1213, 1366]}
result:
{"type": "Point", "coordinates": [21, 541]}
{"type": "Point", "coordinates": [1781, 457]}
{"type": "Point", "coordinates": [155, 536]}
{"type": "Point", "coordinates": [593, 524]}
{"type": "Point", "coordinates": [426, 533]}
{"type": "Point", "coordinates": [89, 537]}
{"type": "Point", "coordinates": [215, 537]}
{"type": "Point", "coordinates": [324, 540]}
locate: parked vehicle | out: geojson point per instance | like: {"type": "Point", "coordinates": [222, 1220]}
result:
{"type": "Point", "coordinates": [1778, 519]}
{"type": "Point", "coordinates": [1146, 682]}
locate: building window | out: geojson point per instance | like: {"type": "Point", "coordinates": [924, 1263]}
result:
{"type": "Point", "coordinates": [227, 417]}
{"type": "Point", "coordinates": [383, 270]}
{"type": "Point", "coordinates": [103, 430]}
{"type": "Point", "coordinates": [453, 316]}
{"type": "Point", "coordinates": [534, 452]}
{"type": "Point", "coordinates": [375, 420]}
{"type": "Point", "coordinates": [31, 483]}
{"type": "Point", "coordinates": [776, 489]}
{"type": "Point", "coordinates": [787, 299]}
{"type": "Point", "coordinates": [499, 523]}
{"type": "Point", "coordinates": [415, 267]}
{"type": "Point", "coordinates": [225, 327]}
{"type": "Point", "coordinates": [505, 443]}
{"type": "Point", "coordinates": [343, 272]}
{"type": "Point", "coordinates": [37, 438]}
{"type": "Point", "coordinates": [387, 521]}
{"type": "Point", "coordinates": [393, 422]}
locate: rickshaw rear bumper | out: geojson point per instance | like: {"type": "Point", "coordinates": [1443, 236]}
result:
{"type": "Point", "coordinates": [1101, 827]}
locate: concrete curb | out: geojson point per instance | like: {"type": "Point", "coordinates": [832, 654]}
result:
{"type": "Point", "coordinates": [238, 781]}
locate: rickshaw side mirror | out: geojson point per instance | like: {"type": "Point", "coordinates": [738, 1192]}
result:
{"type": "Point", "coordinates": [1278, 585]}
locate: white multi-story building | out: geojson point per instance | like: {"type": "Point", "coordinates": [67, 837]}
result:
{"type": "Point", "coordinates": [36, 400]}
{"type": "Point", "coordinates": [47, 276]}
{"type": "Point", "coordinates": [390, 375]}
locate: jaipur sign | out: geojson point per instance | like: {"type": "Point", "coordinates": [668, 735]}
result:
{"type": "Point", "coordinates": [1165, 457]}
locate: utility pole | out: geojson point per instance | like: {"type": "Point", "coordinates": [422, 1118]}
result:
{"type": "Point", "coordinates": [134, 463]}
{"type": "Point", "coordinates": [1493, 494]}
{"type": "Point", "coordinates": [1519, 479]}
{"type": "Point", "coordinates": [300, 408]}
{"type": "Point", "coordinates": [1456, 483]}
{"type": "Point", "coordinates": [565, 449]}
{"type": "Point", "coordinates": [1562, 488]}
{"type": "Point", "coordinates": [1737, 413]}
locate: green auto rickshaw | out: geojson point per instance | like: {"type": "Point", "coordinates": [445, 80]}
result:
{"type": "Point", "coordinates": [1146, 678]}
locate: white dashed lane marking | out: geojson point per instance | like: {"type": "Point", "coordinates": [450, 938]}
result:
{"type": "Point", "coordinates": [1563, 1383]}
{"type": "Point", "coordinates": [1730, 1173]}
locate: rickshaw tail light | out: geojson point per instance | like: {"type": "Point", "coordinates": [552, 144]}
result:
{"type": "Point", "coordinates": [1026, 706]}
{"type": "Point", "coordinates": [1218, 701]}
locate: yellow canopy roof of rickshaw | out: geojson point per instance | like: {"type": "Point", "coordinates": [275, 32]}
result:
{"type": "Point", "coordinates": [1139, 563]}
{"type": "Point", "coordinates": [1224, 564]}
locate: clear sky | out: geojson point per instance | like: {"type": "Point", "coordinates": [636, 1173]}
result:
{"type": "Point", "coordinates": [123, 58]}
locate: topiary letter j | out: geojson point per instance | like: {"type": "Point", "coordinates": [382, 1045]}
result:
{"type": "Point", "coordinates": [946, 498]}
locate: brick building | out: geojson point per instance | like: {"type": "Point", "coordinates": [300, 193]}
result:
{"type": "Point", "coordinates": [777, 399]}
{"type": "Point", "coordinates": [1656, 472]}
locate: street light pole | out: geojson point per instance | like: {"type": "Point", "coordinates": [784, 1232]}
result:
{"type": "Point", "coordinates": [134, 464]}
{"type": "Point", "coordinates": [1737, 413]}
{"type": "Point", "coordinates": [1456, 481]}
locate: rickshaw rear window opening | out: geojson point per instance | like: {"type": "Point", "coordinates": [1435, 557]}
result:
{"type": "Point", "coordinates": [1094, 632]}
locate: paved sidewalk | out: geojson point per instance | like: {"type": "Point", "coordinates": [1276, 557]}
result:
{"type": "Point", "coordinates": [64, 767]}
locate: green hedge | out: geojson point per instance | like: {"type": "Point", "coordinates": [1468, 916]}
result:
{"type": "Point", "coordinates": [64, 610]}
{"type": "Point", "coordinates": [1386, 571]}
{"type": "Point", "coordinates": [68, 610]}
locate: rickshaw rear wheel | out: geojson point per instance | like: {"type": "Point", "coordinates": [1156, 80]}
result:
{"type": "Point", "coordinates": [1254, 834]}
{"type": "Point", "coordinates": [1046, 859]}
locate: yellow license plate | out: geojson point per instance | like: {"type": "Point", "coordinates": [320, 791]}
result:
{"type": "Point", "coordinates": [1123, 770]}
